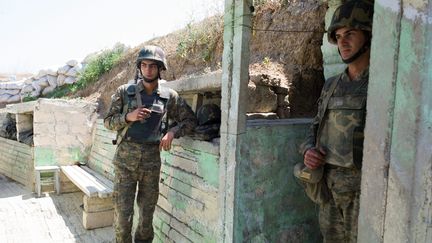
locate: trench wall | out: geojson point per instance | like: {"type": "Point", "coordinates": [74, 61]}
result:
{"type": "Point", "coordinates": [16, 161]}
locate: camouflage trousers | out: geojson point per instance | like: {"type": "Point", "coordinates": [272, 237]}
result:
{"type": "Point", "coordinates": [135, 164]}
{"type": "Point", "coordinates": [338, 217]}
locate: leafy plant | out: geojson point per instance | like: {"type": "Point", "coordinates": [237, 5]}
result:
{"type": "Point", "coordinates": [29, 98]}
{"type": "Point", "coordinates": [60, 92]}
{"type": "Point", "coordinates": [97, 65]}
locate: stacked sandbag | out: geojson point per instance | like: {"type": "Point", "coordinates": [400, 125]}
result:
{"type": "Point", "coordinates": [47, 80]}
{"type": "Point", "coordinates": [10, 91]}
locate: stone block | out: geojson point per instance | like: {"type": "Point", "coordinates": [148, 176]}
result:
{"type": "Point", "coordinates": [98, 219]}
{"type": "Point", "coordinates": [96, 204]}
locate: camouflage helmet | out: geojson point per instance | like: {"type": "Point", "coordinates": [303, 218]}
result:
{"type": "Point", "coordinates": [153, 53]}
{"type": "Point", "coordinates": [355, 14]}
{"type": "Point", "coordinates": [209, 114]}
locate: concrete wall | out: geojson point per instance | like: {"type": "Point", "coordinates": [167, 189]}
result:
{"type": "Point", "coordinates": [62, 131]}
{"type": "Point", "coordinates": [270, 205]}
{"type": "Point", "coordinates": [396, 199]}
{"type": "Point", "coordinates": [24, 125]}
{"type": "Point", "coordinates": [187, 209]}
{"type": "Point", "coordinates": [16, 161]}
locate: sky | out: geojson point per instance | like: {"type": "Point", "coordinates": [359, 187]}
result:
{"type": "Point", "coordinates": [42, 34]}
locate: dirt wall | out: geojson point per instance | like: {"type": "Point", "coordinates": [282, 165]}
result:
{"type": "Point", "coordinates": [285, 44]}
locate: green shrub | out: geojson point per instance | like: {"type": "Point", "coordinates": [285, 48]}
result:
{"type": "Point", "coordinates": [97, 65]}
{"type": "Point", "coordinates": [29, 98]}
{"type": "Point", "coordinates": [60, 92]}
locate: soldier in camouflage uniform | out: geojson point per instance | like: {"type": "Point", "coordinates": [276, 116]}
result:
{"type": "Point", "coordinates": [140, 113]}
{"type": "Point", "coordinates": [341, 123]}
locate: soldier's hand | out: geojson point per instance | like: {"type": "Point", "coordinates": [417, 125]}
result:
{"type": "Point", "coordinates": [314, 158]}
{"type": "Point", "coordinates": [138, 114]}
{"type": "Point", "coordinates": [166, 141]}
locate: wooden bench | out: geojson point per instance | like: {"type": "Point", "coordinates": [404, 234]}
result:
{"type": "Point", "coordinates": [98, 206]}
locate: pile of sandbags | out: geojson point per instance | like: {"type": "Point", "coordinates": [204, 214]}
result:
{"type": "Point", "coordinates": [47, 80]}
{"type": "Point", "coordinates": [41, 84]}
{"type": "Point", "coordinates": [10, 91]}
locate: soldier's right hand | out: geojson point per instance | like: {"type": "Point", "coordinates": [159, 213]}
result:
{"type": "Point", "coordinates": [314, 158]}
{"type": "Point", "coordinates": [139, 114]}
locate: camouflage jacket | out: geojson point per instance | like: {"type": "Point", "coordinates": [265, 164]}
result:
{"type": "Point", "coordinates": [178, 112]}
{"type": "Point", "coordinates": [342, 121]}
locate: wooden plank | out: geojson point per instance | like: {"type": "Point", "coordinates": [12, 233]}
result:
{"type": "Point", "coordinates": [6, 149]}
{"type": "Point", "coordinates": [24, 150]}
{"type": "Point", "coordinates": [105, 135]}
{"type": "Point", "coordinates": [81, 180]}
{"type": "Point", "coordinates": [183, 163]}
{"type": "Point", "coordinates": [198, 194]}
{"type": "Point", "coordinates": [106, 163]}
{"type": "Point", "coordinates": [188, 178]}
{"type": "Point", "coordinates": [70, 172]}
{"type": "Point", "coordinates": [102, 151]}
{"type": "Point", "coordinates": [109, 185]}
{"type": "Point", "coordinates": [96, 158]}
{"type": "Point", "coordinates": [103, 190]}
{"type": "Point", "coordinates": [106, 170]}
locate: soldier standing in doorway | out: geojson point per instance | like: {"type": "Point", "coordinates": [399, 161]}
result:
{"type": "Point", "coordinates": [140, 113]}
{"type": "Point", "coordinates": [335, 142]}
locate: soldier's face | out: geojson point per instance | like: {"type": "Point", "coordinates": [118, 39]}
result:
{"type": "Point", "coordinates": [349, 41]}
{"type": "Point", "coordinates": [149, 69]}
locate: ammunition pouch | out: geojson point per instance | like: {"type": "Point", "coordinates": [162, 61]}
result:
{"type": "Point", "coordinates": [313, 183]}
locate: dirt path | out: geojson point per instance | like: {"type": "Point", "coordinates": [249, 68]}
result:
{"type": "Point", "coordinates": [51, 218]}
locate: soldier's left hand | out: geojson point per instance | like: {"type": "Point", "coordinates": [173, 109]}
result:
{"type": "Point", "coordinates": [166, 141]}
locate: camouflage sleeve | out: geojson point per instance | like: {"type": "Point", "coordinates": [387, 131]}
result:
{"type": "Point", "coordinates": [310, 140]}
{"type": "Point", "coordinates": [182, 114]}
{"type": "Point", "coordinates": [115, 119]}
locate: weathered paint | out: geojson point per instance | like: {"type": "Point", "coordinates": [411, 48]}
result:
{"type": "Point", "coordinates": [187, 209]}
{"type": "Point", "coordinates": [235, 77]}
{"type": "Point", "coordinates": [208, 167]}
{"type": "Point", "coordinates": [270, 204]}
{"type": "Point", "coordinates": [79, 154]}
{"type": "Point", "coordinates": [407, 193]}
{"type": "Point", "coordinates": [396, 202]}
{"type": "Point", "coordinates": [379, 120]}
{"type": "Point", "coordinates": [44, 156]}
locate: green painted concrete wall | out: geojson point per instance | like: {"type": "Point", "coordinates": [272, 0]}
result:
{"type": "Point", "coordinates": [187, 209]}
{"type": "Point", "coordinates": [270, 205]}
{"type": "Point", "coordinates": [396, 200]}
